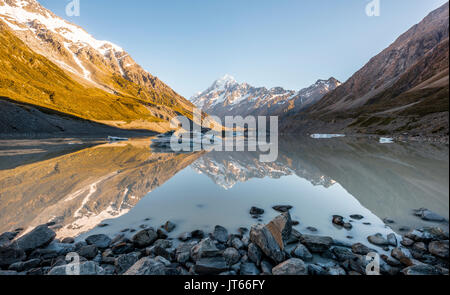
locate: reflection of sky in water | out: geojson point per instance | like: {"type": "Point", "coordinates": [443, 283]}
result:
{"type": "Point", "coordinates": [193, 201]}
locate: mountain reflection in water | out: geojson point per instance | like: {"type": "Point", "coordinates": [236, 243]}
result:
{"type": "Point", "coordinates": [127, 186]}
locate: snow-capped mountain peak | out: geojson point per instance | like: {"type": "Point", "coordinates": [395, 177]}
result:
{"type": "Point", "coordinates": [228, 97]}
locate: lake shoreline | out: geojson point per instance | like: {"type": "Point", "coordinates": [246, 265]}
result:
{"type": "Point", "coordinates": [275, 248]}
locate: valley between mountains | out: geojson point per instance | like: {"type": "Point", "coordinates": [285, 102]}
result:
{"type": "Point", "coordinates": [56, 78]}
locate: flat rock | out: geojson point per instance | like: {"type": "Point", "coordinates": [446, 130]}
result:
{"type": "Point", "coordinates": [439, 249]}
{"type": "Point", "coordinates": [343, 254]}
{"type": "Point", "coordinates": [392, 239]}
{"type": "Point", "coordinates": [282, 208]}
{"type": "Point", "coordinates": [428, 215]}
{"type": "Point", "coordinates": [263, 238]}
{"type": "Point", "coordinates": [378, 240]}
{"type": "Point", "coordinates": [316, 244]}
{"type": "Point", "coordinates": [211, 266]}
{"type": "Point", "coordinates": [39, 237]}
{"type": "Point", "coordinates": [25, 265]}
{"type": "Point", "coordinates": [293, 266]}
{"type": "Point", "coordinates": [100, 241]}
{"type": "Point", "coordinates": [421, 269]}
{"type": "Point", "coordinates": [256, 211]}
{"type": "Point", "coordinates": [146, 266]}
{"type": "Point", "coordinates": [356, 217]}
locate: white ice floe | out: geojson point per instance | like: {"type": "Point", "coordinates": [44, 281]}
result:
{"type": "Point", "coordinates": [386, 140]}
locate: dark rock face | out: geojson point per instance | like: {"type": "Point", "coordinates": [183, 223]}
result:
{"type": "Point", "coordinates": [10, 255]}
{"type": "Point", "coordinates": [263, 238]}
{"type": "Point", "coordinates": [281, 228]}
{"type": "Point", "coordinates": [316, 244]}
{"type": "Point", "coordinates": [37, 238]}
{"type": "Point", "coordinates": [300, 251]}
{"type": "Point", "coordinates": [254, 253]}
{"type": "Point", "coordinates": [211, 265]}
{"type": "Point", "coordinates": [99, 241]}
{"type": "Point", "coordinates": [293, 266]}
{"type": "Point", "coordinates": [88, 252]}
{"type": "Point", "coordinates": [256, 211]}
{"type": "Point", "coordinates": [125, 262]}
{"type": "Point", "coordinates": [206, 248]}
{"type": "Point", "coordinates": [231, 255]}
{"type": "Point", "coordinates": [146, 266]}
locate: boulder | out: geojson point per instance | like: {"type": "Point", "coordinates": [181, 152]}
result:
{"type": "Point", "coordinates": [237, 243]}
{"type": "Point", "coordinates": [361, 249]}
{"type": "Point", "coordinates": [343, 254]}
{"type": "Point", "coordinates": [220, 234]}
{"type": "Point", "coordinates": [100, 241]}
{"type": "Point", "coordinates": [39, 237]}
{"type": "Point", "coordinates": [281, 228]}
{"type": "Point", "coordinates": [428, 234]}
{"type": "Point", "coordinates": [183, 251]}
{"type": "Point", "coordinates": [263, 238]}
{"type": "Point", "coordinates": [378, 240]}
{"type": "Point", "coordinates": [10, 254]}
{"type": "Point", "coordinates": [402, 255]}
{"type": "Point", "coordinates": [428, 215]}
{"type": "Point", "coordinates": [144, 238]}
{"type": "Point", "coordinates": [25, 265]}
{"type": "Point", "coordinates": [316, 244]}
{"type": "Point", "coordinates": [293, 266]}
{"type": "Point", "coordinates": [146, 266]}
{"type": "Point", "coordinates": [89, 252]}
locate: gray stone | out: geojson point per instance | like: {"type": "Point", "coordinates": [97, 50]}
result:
{"type": "Point", "coordinates": [429, 215]}
{"type": "Point", "coordinates": [125, 261]}
{"type": "Point", "coordinates": [316, 244]}
{"type": "Point", "coordinates": [211, 266]}
{"type": "Point", "coordinates": [220, 234]}
{"type": "Point", "coordinates": [100, 241]}
{"type": "Point", "coordinates": [266, 267]}
{"type": "Point", "coordinates": [356, 216]}
{"type": "Point", "coordinates": [392, 239]}
{"type": "Point", "coordinates": [39, 237]}
{"type": "Point", "coordinates": [237, 243]}
{"type": "Point", "coordinates": [183, 251]}
{"type": "Point", "coordinates": [146, 266]}
{"type": "Point", "coordinates": [205, 248]}
{"type": "Point", "coordinates": [122, 248]}
{"type": "Point", "coordinates": [87, 268]}
{"type": "Point", "coordinates": [300, 251]}
{"type": "Point", "coordinates": [249, 269]}
{"type": "Point", "coordinates": [293, 266]}
{"type": "Point", "coordinates": [420, 247]}
{"type": "Point", "coordinates": [407, 242]}
{"type": "Point", "coordinates": [256, 211]}
{"type": "Point", "coordinates": [317, 270]}
{"type": "Point", "coordinates": [68, 240]}
{"type": "Point", "coordinates": [391, 260]}
{"type": "Point", "coordinates": [89, 252]}
{"type": "Point", "coordinates": [231, 255]}
{"type": "Point", "coordinates": [343, 254]}
{"type": "Point", "coordinates": [254, 253]}
{"type": "Point", "coordinates": [263, 238]}
{"type": "Point", "coordinates": [439, 249]}
{"type": "Point", "coordinates": [282, 208]}
{"type": "Point", "coordinates": [144, 238]}
{"type": "Point", "coordinates": [361, 249]}
{"type": "Point", "coordinates": [421, 269]}
{"type": "Point", "coordinates": [378, 240]}
{"type": "Point", "coordinates": [163, 260]}
{"type": "Point", "coordinates": [428, 234]}
{"type": "Point", "coordinates": [338, 220]}
{"type": "Point", "coordinates": [402, 255]}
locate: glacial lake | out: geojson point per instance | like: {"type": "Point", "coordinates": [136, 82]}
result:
{"type": "Point", "coordinates": [87, 187]}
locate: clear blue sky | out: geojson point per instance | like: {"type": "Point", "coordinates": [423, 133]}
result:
{"type": "Point", "coordinates": [289, 43]}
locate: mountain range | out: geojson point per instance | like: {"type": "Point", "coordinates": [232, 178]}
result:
{"type": "Point", "coordinates": [227, 97]}
{"type": "Point", "coordinates": [50, 63]}
{"type": "Point", "coordinates": [402, 90]}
